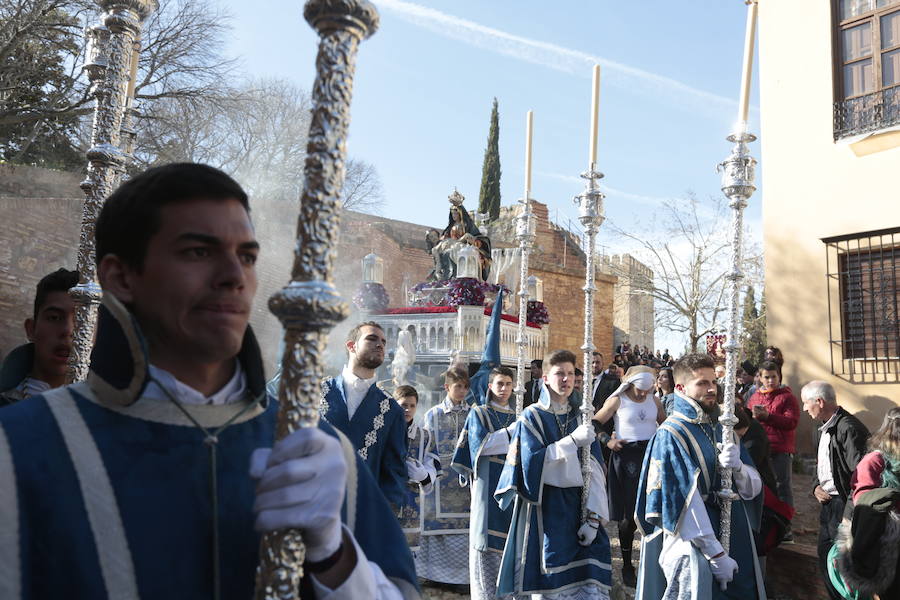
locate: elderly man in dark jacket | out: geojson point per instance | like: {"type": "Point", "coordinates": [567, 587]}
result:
{"type": "Point", "coordinates": [841, 446]}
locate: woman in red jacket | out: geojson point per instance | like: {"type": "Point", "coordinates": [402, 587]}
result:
{"type": "Point", "coordinates": [778, 411]}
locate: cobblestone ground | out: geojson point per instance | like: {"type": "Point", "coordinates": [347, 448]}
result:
{"type": "Point", "coordinates": [433, 592]}
{"type": "Point", "coordinates": [805, 526]}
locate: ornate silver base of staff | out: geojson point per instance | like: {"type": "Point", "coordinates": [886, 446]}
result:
{"type": "Point", "coordinates": [525, 234]}
{"type": "Point", "coordinates": [310, 306]}
{"type": "Point", "coordinates": [109, 71]}
{"type": "Point", "coordinates": [590, 213]}
{"type": "Point", "coordinates": [738, 173]}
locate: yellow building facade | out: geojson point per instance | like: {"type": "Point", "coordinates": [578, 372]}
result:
{"type": "Point", "coordinates": [830, 168]}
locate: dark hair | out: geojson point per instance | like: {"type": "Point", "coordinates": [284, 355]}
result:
{"type": "Point", "coordinates": [578, 372]}
{"type": "Point", "coordinates": [131, 215]}
{"type": "Point", "coordinates": [538, 362]}
{"type": "Point", "coordinates": [405, 391]}
{"type": "Point", "coordinates": [452, 376]}
{"type": "Point", "coordinates": [504, 371]}
{"type": "Point", "coordinates": [779, 357]}
{"type": "Point", "coordinates": [60, 280]}
{"type": "Point", "coordinates": [687, 364]}
{"type": "Point", "coordinates": [770, 365]}
{"type": "Point", "coordinates": [498, 372]}
{"type": "Point", "coordinates": [558, 357]}
{"type": "Point", "coordinates": [353, 334]}
{"type": "Point", "coordinates": [671, 377]}
{"type": "Point", "coordinates": [743, 419]}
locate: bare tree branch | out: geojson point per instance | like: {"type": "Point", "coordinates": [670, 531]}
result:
{"type": "Point", "coordinates": [690, 266]}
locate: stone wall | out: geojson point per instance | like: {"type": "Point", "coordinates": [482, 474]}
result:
{"type": "Point", "coordinates": [41, 234]}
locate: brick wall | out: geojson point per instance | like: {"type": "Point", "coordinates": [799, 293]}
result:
{"type": "Point", "coordinates": [40, 235]}
{"type": "Point", "coordinates": [37, 236]}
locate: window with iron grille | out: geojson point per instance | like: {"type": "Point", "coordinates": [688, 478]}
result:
{"type": "Point", "coordinates": [863, 270]}
{"type": "Point", "coordinates": [867, 66]}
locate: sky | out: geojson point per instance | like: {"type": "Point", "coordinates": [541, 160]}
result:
{"type": "Point", "coordinates": [426, 79]}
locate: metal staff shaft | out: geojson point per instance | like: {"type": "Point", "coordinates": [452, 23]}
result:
{"type": "Point", "coordinates": [109, 71]}
{"type": "Point", "coordinates": [590, 213]}
{"type": "Point", "coordinates": [525, 234]}
{"type": "Point", "coordinates": [310, 306]}
{"type": "Point", "coordinates": [738, 173]}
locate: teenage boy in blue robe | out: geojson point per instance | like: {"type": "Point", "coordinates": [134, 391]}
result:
{"type": "Point", "coordinates": [678, 511]}
{"type": "Point", "coordinates": [479, 457]}
{"type": "Point", "coordinates": [368, 415]}
{"type": "Point", "coordinates": [135, 483]}
{"type": "Point", "coordinates": [550, 552]}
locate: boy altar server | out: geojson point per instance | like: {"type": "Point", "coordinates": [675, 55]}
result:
{"type": "Point", "coordinates": [480, 456]}
{"type": "Point", "coordinates": [444, 546]}
{"type": "Point", "coordinates": [550, 553]}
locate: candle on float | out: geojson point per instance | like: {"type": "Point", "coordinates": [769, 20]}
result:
{"type": "Point", "coordinates": [747, 71]}
{"type": "Point", "coordinates": [529, 130]}
{"type": "Point", "coordinates": [595, 114]}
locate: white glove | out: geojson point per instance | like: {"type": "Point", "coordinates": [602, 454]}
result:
{"type": "Point", "coordinates": [723, 569]}
{"type": "Point", "coordinates": [730, 456]}
{"type": "Point", "coordinates": [415, 471]}
{"type": "Point", "coordinates": [301, 486]}
{"type": "Point", "coordinates": [583, 435]}
{"type": "Point", "coordinates": [586, 534]}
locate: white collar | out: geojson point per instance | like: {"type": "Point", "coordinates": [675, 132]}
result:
{"type": "Point", "coordinates": [413, 430]}
{"type": "Point", "coordinates": [497, 406]}
{"type": "Point", "coordinates": [827, 424]}
{"type": "Point", "coordinates": [447, 405]}
{"type": "Point", "coordinates": [233, 391]}
{"type": "Point", "coordinates": [351, 379]}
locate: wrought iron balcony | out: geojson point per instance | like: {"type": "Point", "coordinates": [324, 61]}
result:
{"type": "Point", "coordinates": [863, 114]}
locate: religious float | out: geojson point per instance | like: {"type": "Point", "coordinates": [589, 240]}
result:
{"type": "Point", "coordinates": [444, 319]}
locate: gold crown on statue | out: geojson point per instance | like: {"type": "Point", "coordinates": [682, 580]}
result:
{"type": "Point", "coordinates": [456, 199]}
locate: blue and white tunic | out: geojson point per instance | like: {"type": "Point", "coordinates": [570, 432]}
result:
{"type": "Point", "coordinates": [106, 486]}
{"type": "Point", "coordinates": [444, 546]}
{"type": "Point", "coordinates": [479, 457]}
{"type": "Point", "coordinates": [679, 515]}
{"type": "Point", "coordinates": [419, 450]}
{"type": "Point", "coordinates": [377, 430]}
{"type": "Point", "coordinates": [542, 481]}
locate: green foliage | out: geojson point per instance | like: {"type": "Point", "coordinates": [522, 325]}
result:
{"type": "Point", "coordinates": [34, 76]}
{"type": "Point", "coordinates": [489, 196]}
{"type": "Point", "coordinates": [754, 327]}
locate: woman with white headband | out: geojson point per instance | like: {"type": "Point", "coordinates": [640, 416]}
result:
{"type": "Point", "coordinates": [636, 413]}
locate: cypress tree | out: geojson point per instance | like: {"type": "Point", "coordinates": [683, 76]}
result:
{"type": "Point", "coordinates": [754, 328]}
{"type": "Point", "coordinates": [489, 196]}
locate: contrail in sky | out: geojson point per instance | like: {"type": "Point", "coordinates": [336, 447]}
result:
{"type": "Point", "coordinates": [553, 56]}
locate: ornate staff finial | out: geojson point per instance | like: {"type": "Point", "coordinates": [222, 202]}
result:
{"type": "Point", "coordinates": [310, 306]}
{"type": "Point", "coordinates": [525, 234]}
{"type": "Point", "coordinates": [108, 65]}
{"type": "Point", "coordinates": [738, 173]}
{"type": "Point", "coordinates": [590, 214]}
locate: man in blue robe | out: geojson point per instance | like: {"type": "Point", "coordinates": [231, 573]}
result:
{"type": "Point", "coordinates": [678, 509]}
{"type": "Point", "coordinates": [550, 552]}
{"type": "Point", "coordinates": [374, 422]}
{"type": "Point", "coordinates": [134, 483]}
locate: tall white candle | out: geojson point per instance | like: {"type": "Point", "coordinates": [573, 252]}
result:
{"type": "Point", "coordinates": [747, 72]}
{"type": "Point", "coordinates": [529, 125]}
{"type": "Point", "coordinates": [595, 113]}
